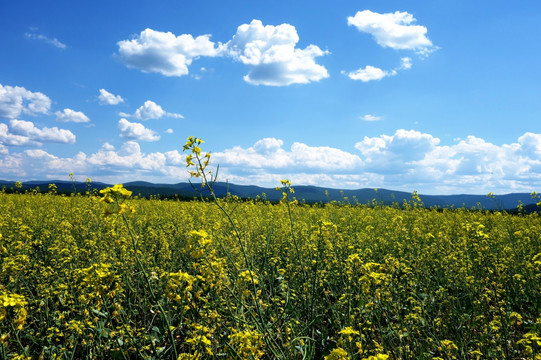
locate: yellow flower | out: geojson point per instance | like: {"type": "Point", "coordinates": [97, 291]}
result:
{"type": "Point", "coordinates": [348, 331]}
{"type": "Point", "coordinates": [337, 354]}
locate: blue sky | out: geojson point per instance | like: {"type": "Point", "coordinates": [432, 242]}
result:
{"type": "Point", "coordinates": [439, 97]}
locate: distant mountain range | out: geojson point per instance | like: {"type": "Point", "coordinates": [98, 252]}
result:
{"type": "Point", "coordinates": [310, 194]}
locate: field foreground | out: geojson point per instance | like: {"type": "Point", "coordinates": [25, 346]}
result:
{"type": "Point", "coordinates": [129, 278]}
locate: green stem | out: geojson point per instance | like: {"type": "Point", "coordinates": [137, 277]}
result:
{"type": "Point", "coordinates": [154, 298]}
{"type": "Point", "coordinates": [209, 185]}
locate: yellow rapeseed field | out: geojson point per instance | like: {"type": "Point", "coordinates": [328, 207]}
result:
{"type": "Point", "coordinates": [99, 276]}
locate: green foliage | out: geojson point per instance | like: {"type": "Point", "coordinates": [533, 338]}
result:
{"type": "Point", "coordinates": [366, 281]}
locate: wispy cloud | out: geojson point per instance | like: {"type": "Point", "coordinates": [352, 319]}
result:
{"type": "Point", "coordinates": [369, 117]}
{"type": "Point", "coordinates": [51, 41]}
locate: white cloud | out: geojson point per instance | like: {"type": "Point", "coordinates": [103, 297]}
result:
{"type": "Point", "coordinates": [268, 154]}
{"type": "Point", "coordinates": [52, 41]}
{"type": "Point", "coordinates": [17, 100]}
{"type": "Point", "coordinates": [369, 117]}
{"type": "Point", "coordinates": [175, 158]}
{"type": "Point", "coordinates": [151, 110]}
{"type": "Point", "coordinates": [107, 165]}
{"type": "Point", "coordinates": [370, 73]}
{"type": "Point", "coordinates": [405, 160]}
{"type": "Point", "coordinates": [29, 130]}
{"type": "Point", "coordinates": [271, 53]}
{"type": "Point", "coordinates": [136, 131]}
{"type": "Point", "coordinates": [164, 52]}
{"type": "Point", "coordinates": [107, 147]}
{"type": "Point", "coordinates": [325, 158]}
{"type": "Point", "coordinates": [394, 30]}
{"type": "Point", "coordinates": [8, 138]}
{"type": "Point", "coordinates": [106, 98]}
{"type": "Point", "coordinates": [530, 145]}
{"type": "Point", "coordinates": [267, 145]}
{"type": "Point", "coordinates": [169, 131]}
{"type": "Point", "coordinates": [68, 115]}
{"type": "Point", "coordinates": [393, 153]}
{"type": "Point", "coordinates": [472, 165]}
{"type": "Point", "coordinates": [405, 63]}
{"type": "Point", "coordinates": [129, 159]}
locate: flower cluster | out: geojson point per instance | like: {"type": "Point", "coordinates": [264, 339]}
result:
{"type": "Point", "coordinates": [201, 161]}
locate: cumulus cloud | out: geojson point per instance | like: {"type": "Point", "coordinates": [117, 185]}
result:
{"type": "Point", "coordinates": [530, 145]}
{"type": "Point", "coordinates": [51, 41]}
{"type": "Point", "coordinates": [370, 73]}
{"type": "Point", "coordinates": [10, 139]}
{"type": "Point", "coordinates": [169, 131]}
{"type": "Point", "coordinates": [151, 110]}
{"type": "Point", "coordinates": [470, 165]}
{"type": "Point", "coordinates": [394, 30]}
{"type": "Point", "coordinates": [136, 131]}
{"type": "Point", "coordinates": [271, 53]}
{"type": "Point", "coordinates": [16, 100]}
{"type": "Point", "coordinates": [68, 115]}
{"type": "Point", "coordinates": [29, 130]}
{"type": "Point", "coordinates": [325, 158]}
{"type": "Point", "coordinates": [267, 146]}
{"type": "Point", "coordinates": [130, 159]}
{"type": "Point", "coordinates": [164, 52]}
{"type": "Point", "coordinates": [107, 147]}
{"type": "Point", "coordinates": [175, 158]}
{"type": "Point", "coordinates": [268, 154]}
{"type": "Point", "coordinates": [392, 153]}
{"type": "Point", "coordinates": [405, 160]}
{"type": "Point", "coordinates": [106, 98]}
{"type": "Point", "coordinates": [107, 164]}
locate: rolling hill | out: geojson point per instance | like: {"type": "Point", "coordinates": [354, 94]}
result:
{"type": "Point", "coordinates": [310, 194]}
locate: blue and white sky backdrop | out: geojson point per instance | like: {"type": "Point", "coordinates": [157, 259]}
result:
{"type": "Point", "coordinates": [436, 96]}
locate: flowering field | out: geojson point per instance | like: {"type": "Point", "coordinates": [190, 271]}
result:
{"type": "Point", "coordinates": [109, 275]}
